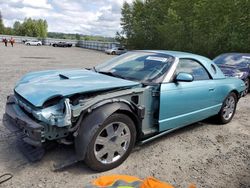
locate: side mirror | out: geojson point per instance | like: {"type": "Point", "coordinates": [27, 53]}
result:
{"type": "Point", "coordinates": [184, 77]}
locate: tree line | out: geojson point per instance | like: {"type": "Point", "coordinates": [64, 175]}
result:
{"type": "Point", "coordinates": [207, 27]}
{"type": "Point", "coordinates": [29, 27]}
{"type": "Point", "coordinates": [1, 24]}
{"type": "Point", "coordinates": [78, 36]}
{"type": "Point", "coordinates": [39, 28]}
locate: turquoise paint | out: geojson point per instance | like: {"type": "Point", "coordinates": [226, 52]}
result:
{"type": "Point", "coordinates": [185, 100]}
{"type": "Point", "coordinates": [184, 103]}
{"type": "Point", "coordinates": [181, 103]}
{"type": "Point", "coordinates": [205, 61]}
{"type": "Point", "coordinates": [40, 86]}
{"type": "Point", "coordinates": [186, 77]}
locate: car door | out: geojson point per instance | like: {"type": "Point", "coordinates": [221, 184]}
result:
{"type": "Point", "coordinates": [183, 103]}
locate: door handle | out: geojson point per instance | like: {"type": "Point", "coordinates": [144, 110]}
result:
{"type": "Point", "coordinates": [211, 89]}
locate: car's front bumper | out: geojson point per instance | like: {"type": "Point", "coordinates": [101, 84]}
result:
{"type": "Point", "coordinates": [16, 120]}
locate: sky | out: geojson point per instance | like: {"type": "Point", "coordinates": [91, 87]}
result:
{"type": "Point", "coordinates": [88, 17]}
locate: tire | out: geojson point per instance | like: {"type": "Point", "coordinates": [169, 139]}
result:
{"type": "Point", "coordinates": [245, 92]}
{"type": "Point", "coordinates": [107, 140]}
{"type": "Point", "coordinates": [113, 53]}
{"type": "Point", "coordinates": [228, 108]}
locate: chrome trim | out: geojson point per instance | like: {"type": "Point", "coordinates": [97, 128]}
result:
{"type": "Point", "coordinates": [171, 71]}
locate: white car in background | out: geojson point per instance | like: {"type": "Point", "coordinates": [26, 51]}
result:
{"type": "Point", "coordinates": [33, 43]}
{"type": "Point", "coordinates": [116, 51]}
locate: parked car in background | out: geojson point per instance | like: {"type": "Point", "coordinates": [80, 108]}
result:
{"type": "Point", "coordinates": [133, 98]}
{"type": "Point", "coordinates": [61, 44]}
{"type": "Point", "coordinates": [116, 51]}
{"type": "Point", "coordinates": [33, 43]}
{"type": "Point", "coordinates": [235, 65]}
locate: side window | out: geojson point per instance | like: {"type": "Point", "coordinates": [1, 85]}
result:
{"type": "Point", "coordinates": [193, 67]}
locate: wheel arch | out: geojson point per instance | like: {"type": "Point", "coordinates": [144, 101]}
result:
{"type": "Point", "coordinates": [94, 119]}
{"type": "Point", "coordinates": [236, 93]}
{"type": "Point", "coordinates": [134, 118]}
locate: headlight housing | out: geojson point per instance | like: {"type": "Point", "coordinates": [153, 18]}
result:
{"type": "Point", "coordinates": [58, 114]}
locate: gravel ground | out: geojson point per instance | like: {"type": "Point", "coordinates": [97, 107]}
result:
{"type": "Point", "coordinates": [204, 153]}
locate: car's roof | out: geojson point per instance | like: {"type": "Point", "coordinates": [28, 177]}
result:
{"type": "Point", "coordinates": [205, 61]}
{"type": "Point", "coordinates": [180, 54]}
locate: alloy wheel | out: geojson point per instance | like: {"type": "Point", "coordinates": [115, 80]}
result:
{"type": "Point", "coordinates": [112, 142]}
{"type": "Point", "coordinates": [228, 109]}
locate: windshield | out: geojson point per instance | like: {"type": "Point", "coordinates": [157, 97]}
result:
{"type": "Point", "coordinates": [242, 60]}
{"type": "Point", "coordinates": [137, 66]}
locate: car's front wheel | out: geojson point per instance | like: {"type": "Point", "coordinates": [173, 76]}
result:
{"type": "Point", "coordinates": [228, 108]}
{"type": "Point", "coordinates": [112, 143]}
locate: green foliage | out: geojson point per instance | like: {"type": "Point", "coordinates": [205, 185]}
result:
{"type": "Point", "coordinates": [207, 27]}
{"type": "Point", "coordinates": [17, 28]}
{"type": "Point", "coordinates": [33, 28]}
{"type": "Point", "coordinates": [79, 37]}
{"type": "Point", "coordinates": [8, 31]}
{"type": "Point", "coordinates": [29, 27]}
{"type": "Point", "coordinates": [1, 24]}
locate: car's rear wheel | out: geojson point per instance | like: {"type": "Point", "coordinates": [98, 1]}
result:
{"type": "Point", "coordinates": [112, 143]}
{"type": "Point", "coordinates": [113, 53]}
{"type": "Point", "coordinates": [228, 108]}
{"type": "Point", "coordinates": [245, 92]}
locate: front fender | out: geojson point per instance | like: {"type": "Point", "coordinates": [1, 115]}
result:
{"type": "Point", "coordinates": [92, 121]}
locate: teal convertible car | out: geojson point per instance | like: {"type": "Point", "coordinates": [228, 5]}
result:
{"type": "Point", "coordinates": [133, 98]}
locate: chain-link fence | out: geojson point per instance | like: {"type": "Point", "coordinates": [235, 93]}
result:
{"type": "Point", "coordinates": [96, 45]}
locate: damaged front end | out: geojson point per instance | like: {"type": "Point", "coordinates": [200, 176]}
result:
{"type": "Point", "coordinates": [60, 118]}
{"type": "Point", "coordinates": [16, 120]}
{"type": "Point", "coordinates": [37, 124]}
{"type": "Point", "coordinates": [57, 115]}
{"type": "Point", "coordinates": [46, 100]}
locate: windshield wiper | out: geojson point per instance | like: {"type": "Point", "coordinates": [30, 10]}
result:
{"type": "Point", "coordinates": [112, 74]}
{"type": "Point", "coordinates": [94, 69]}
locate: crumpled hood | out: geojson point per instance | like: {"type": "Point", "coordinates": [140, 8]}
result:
{"type": "Point", "coordinates": [38, 87]}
